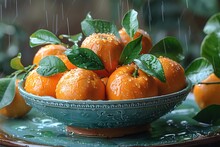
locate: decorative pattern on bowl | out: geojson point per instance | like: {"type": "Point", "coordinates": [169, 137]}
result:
{"type": "Point", "coordinates": [106, 114]}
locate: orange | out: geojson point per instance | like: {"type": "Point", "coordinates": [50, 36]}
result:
{"type": "Point", "coordinates": [41, 85]}
{"type": "Point", "coordinates": [108, 49]}
{"type": "Point", "coordinates": [80, 84]}
{"type": "Point", "coordinates": [175, 77]}
{"type": "Point", "coordinates": [47, 50]}
{"type": "Point", "coordinates": [146, 40]}
{"type": "Point", "coordinates": [66, 61]}
{"type": "Point", "coordinates": [18, 108]}
{"type": "Point", "coordinates": [207, 94]}
{"type": "Point", "coordinates": [123, 85]}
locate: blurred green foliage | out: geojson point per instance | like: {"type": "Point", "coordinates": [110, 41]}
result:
{"type": "Point", "coordinates": [183, 19]}
{"type": "Point", "coordinates": [11, 37]}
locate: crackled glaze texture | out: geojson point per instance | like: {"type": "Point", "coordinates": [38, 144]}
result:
{"type": "Point", "coordinates": [106, 114]}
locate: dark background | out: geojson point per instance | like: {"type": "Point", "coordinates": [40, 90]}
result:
{"type": "Point", "coordinates": [183, 19]}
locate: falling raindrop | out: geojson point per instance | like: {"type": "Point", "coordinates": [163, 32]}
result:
{"type": "Point", "coordinates": [68, 26]}
{"type": "Point", "coordinates": [189, 32]}
{"type": "Point", "coordinates": [127, 3]}
{"type": "Point", "coordinates": [120, 10]}
{"type": "Point", "coordinates": [179, 30]}
{"type": "Point", "coordinates": [186, 42]}
{"type": "Point", "coordinates": [16, 8]}
{"type": "Point", "coordinates": [162, 11]}
{"type": "Point", "coordinates": [149, 14]}
{"type": "Point", "coordinates": [46, 17]}
{"type": "Point", "coordinates": [119, 13]}
{"type": "Point", "coordinates": [53, 23]}
{"type": "Point", "coordinates": [62, 11]}
{"type": "Point", "coordinates": [1, 12]}
{"type": "Point", "coordinates": [56, 26]}
{"type": "Point", "coordinates": [164, 46]}
{"type": "Point", "coordinates": [30, 2]}
{"type": "Point", "coordinates": [187, 4]}
{"type": "Point", "coordinates": [9, 40]}
{"type": "Point", "coordinates": [45, 5]}
{"type": "Point", "coordinates": [5, 3]}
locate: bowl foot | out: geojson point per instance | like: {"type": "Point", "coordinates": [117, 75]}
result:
{"type": "Point", "coordinates": [108, 132]}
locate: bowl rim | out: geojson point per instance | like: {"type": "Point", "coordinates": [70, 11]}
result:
{"type": "Point", "coordinates": [48, 99]}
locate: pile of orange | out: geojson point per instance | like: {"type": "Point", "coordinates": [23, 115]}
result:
{"type": "Point", "coordinates": [115, 82]}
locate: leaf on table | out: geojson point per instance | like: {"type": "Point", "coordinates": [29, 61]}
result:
{"type": "Point", "coordinates": [209, 115]}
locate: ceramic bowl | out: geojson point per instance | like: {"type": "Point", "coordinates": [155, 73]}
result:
{"type": "Point", "coordinates": [106, 114]}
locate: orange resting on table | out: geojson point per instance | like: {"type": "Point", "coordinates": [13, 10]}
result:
{"type": "Point", "coordinates": [18, 108]}
{"type": "Point", "coordinates": [146, 40]}
{"type": "Point", "coordinates": [123, 85]}
{"type": "Point", "coordinates": [108, 48]}
{"type": "Point", "coordinates": [80, 84]}
{"type": "Point", "coordinates": [41, 85]}
{"type": "Point", "coordinates": [48, 50]}
{"type": "Point", "coordinates": [207, 94]}
{"type": "Point", "coordinates": [175, 77]}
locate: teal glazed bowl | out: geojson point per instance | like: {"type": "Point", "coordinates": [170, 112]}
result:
{"type": "Point", "coordinates": [106, 114]}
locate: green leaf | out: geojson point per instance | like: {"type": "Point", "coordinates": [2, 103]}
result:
{"type": "Point", "coordinates": [198, 70]}
{"type": "Point", "coordinates": [90, 26]}
{"type": "Point", "coordinates": [130, 22]}
{"type": "Point", "coordinates": [84, 58]}
{"type": "Point", "coordinates": [7, 91]}
{"type": "Point", "coordinates": [26, 71]}
{"type": "Point", "coordinates": [131, 51]}
{"type": "Point", "coordinates": [209, 115]}
{"type": "Point", "coordinates": [42, 37]}
{"type": "Point", "coordinates": [22, 73]}
{"type": "Point", "coordinates": [151, 65]}
{"type": "Point", "coordinates": [213, 24]}
{"type": "Point", "coordinates": [16, 63]}
{"type": "Point", "coordinates": [169, 47]}
{"type": "Point", "coordinates": [51, 65]}
{"type": "Point", "coordinates": [210, 49]}
{"type": "Point", "coordinates": [72, 38]}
